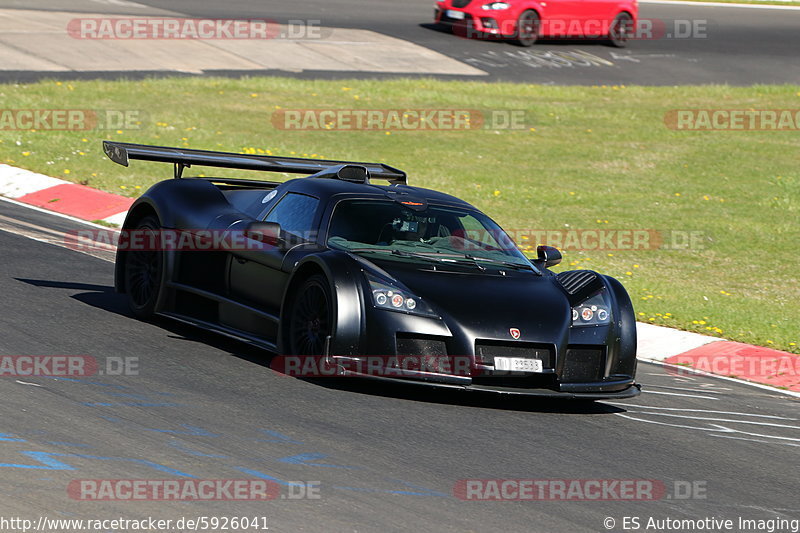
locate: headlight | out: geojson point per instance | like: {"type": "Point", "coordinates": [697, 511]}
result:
{"type": "Point", "coordinates": [385, 295]}
{"type": "Point", "coordinates": [495, 6]}
{"type": "Point", "coordinates": [595, 311]}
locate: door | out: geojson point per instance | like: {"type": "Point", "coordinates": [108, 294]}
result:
{"type": "Point", "coordinates": [256, 275]}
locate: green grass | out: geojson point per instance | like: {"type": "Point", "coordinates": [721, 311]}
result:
{"type": "Point", "coordinates": [596, 157]}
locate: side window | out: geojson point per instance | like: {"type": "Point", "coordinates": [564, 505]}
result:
{"type": "Point", "coordinates": [295, 213]}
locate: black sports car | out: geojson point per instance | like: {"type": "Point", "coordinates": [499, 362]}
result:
{"type": "Point", "coordinates": [334, 267]}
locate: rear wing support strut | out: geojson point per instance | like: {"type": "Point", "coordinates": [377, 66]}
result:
{"type": "Point", "coordinates": [178, 171]}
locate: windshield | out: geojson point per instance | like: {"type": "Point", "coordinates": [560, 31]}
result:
{"type": "Point", "coordinates": [434, 234]}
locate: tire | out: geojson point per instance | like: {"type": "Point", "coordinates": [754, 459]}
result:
{"type": "Point", "coordinates": [311, 320]}
{"type": "Point", "coordinates": [144, 273]}
{"type": "Point", "coordinates": [527, 28]}
{"type": "Point", "coordinates": [621, 30]}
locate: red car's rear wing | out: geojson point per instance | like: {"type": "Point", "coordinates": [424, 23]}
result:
{"type": "Point", "coordinates": [122, 153]}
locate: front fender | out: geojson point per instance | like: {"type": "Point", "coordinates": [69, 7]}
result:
{"type": "Point", "coordinates": [623, 361]}
{"type": "Point", "coordinates": [343, 276]}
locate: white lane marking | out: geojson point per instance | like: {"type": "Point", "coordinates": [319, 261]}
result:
{"type": "Point", "coordinates": [679, 394]}
{"type": "Point", "coordinates": [715, 386]}
{"type": "Point", "coordinates": [15, 222]}
{"type": "Point", "coordinates": [687, 369]}
{"type": "Point", "coordinates": [717, 4]}
{"type": "Point", "coordinates": [682, 378]}
{"type": "Point", "coordinates": [661, 423]}
{"type": "Point", "coordinates": [774, 417]}
{"type": "Point", "coordinates": [26, 383]}
{"type": "Point", "coordinates": [752, 440]}
{"type": "Point", "coordinates": [537, 59]}
{"type": "Point", "coordinates": [50, 236]}
{"type": "Point", "coordinates": [120, 3]}
{"type": "Point", "coordinates": [715, 428]}
{"type": "Point", "coordinates": [729, 430]}
{"type": "Point", "coordinates": [752, 422]}
{"type": "Point", "coordinates": [686, 389]}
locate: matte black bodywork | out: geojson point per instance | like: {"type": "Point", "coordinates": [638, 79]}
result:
{"type": "Point", "coordinates": [247, 293]}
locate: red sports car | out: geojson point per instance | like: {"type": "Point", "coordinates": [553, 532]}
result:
{"type": "Point", "coordinates": [524, 21]}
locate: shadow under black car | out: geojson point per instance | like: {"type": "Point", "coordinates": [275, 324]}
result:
{"type": "Point", "coordinates": [488, 400]}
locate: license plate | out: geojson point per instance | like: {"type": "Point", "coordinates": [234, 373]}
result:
{"type": "Point", "coordinates": [517, 364]}
{"type": "Point", "coordinates": [453, 14]}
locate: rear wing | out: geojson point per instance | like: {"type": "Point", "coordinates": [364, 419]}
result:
{"type": "Point", "coordinates": [122, 153]}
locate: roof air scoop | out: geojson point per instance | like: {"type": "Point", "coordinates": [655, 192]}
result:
{"type": "Point", "coordinates": [352, 173]}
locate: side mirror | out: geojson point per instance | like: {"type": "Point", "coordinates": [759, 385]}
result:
{"type": "Point", "coordinates": [266, 232]}
{"type": "Point", "coordinates": [548, 256]}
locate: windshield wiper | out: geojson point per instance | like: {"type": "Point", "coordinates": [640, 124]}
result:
{"type": "Point", "coordinates": [445, 257]}
{"type": "Point", "coordinates": [511, 264]}
{"type": "Point", "coordinates": [399, 253]}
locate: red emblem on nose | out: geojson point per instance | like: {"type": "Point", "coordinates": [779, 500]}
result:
{"type": "Point", "coordinates": [514, 333]}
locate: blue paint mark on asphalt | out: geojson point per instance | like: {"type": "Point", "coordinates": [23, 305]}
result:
{"type": "Point", "coordinates": [279, 437]}
{"type": "Point", "coordinates": [427, 492]}
{"type": "Point", "coordinates": [109, 385]}
{"type": "Point", "coordinates": [422, 492]}
{"type": "Point", "coordinates": [8, 437]}
{"type": "Point", "coordinates": [190, 430]}
{"type": "Point", "coordinates": [155, 466]}
{"type": "Point", "coordinates": [306, 458]}
{"type": "Point", "coordinates": [132, 395]}
{"type": "Point", "coordinates": [262, 475]}
{"type": "Point", "coordinates": [182, 447]}
{"type": "Point", "coordinates": [97, 383]}
{"type": "Point", "coordinates": [406, 492]}
{"type": "Point", "coordinates": [128, 404]}
{"type": "Point", "coordinates": [49, 463]}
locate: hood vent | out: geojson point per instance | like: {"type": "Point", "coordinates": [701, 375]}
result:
{"type": "Point", "coordinates": [580, 284]}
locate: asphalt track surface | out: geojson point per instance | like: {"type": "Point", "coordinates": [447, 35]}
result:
{"type": "Point", "coordinates": [383, 458]}
{"type": "Point", "coordinates": [733, 45]}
